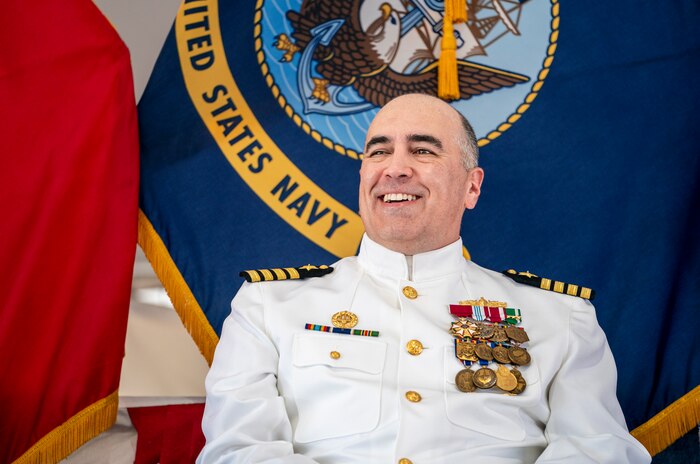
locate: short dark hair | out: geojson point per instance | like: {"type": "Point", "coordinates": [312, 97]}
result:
{"type": "Point", "coordinates": [468, 144]}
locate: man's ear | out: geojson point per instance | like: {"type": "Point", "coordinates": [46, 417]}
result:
{"type": "Point", "coordinates": [474, 179]}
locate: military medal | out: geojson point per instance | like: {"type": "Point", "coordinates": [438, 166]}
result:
{"type": "Point", "coordinates": [499, 334]}
{"type": "Point", "coordinates": [505, 379]}
{"type": "Point", "coordinates": [484, 378]}
{"type": "Point", "coordinates": [464, 350]}
{"type": "Point", "coordinates": [483, 351]}
{"type": "Point", "coordinates": [459, 328]}
{"type": "Point", "coordinates": [465, 380]}
{"type": "Point", "coordinates": [521, 382]}
{"type": "Point", "coordinates": [485, 331]}
{"type": "Point", "coordinates": [517, 334]}
{"type": "Point", "coordinates": [519, 355]}
{"type": "Point", "coordinates": [500, 354]}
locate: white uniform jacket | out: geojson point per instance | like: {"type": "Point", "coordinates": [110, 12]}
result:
{"type": "Point", "coordinates": [276, 394]}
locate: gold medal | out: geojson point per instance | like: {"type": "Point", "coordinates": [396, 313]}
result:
{"type": "Point", "coordinates": [521, 382]}
{"type": "Point", "coordinates": [465, 351]}
{"type": "Point", "coordinates": [484, 378]}
{"type": "Point", "coordinates": [516, 334]}
{"type": "Point", "coordinates": [344, 320]}
{"type": "Point", "coordinates": [483, 351]}
{"type": "Point", "coordinates": [500, 354]}
{"type": "Point", "coordinates": [465, 380]}
{"type": "Point", "coordinates": [499, 334]}
{"type": "Point", "coordinates": [485, 330]}
{"type": "Point", "coordinates": [519, 356]}
{"type": "Point", "coordinates": [505, 380]}
{"type": "Point", "coordinates": [459, 328]}
{"type": "Point", "coordinates": [472, 328]}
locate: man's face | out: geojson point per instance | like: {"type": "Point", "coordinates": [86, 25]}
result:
{"type": "Point", "coordinates": [413, 185]}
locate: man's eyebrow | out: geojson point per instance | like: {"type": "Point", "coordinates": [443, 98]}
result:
{"type": "Point", "coordinates": [376, 140]}
{"type": "Point", "coordinates": [425, 138]}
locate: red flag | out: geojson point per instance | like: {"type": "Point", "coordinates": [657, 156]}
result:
{"type": "Point", "coordinates": [168, 434]}
{"type": "Point", "coordinates": [68, 194]}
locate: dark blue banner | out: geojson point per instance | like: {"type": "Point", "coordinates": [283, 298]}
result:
{"type": "Point", "coordinates": [253, 123]}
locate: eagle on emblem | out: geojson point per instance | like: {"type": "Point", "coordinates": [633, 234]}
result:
{"type": "Point", "coordinates": [369, 53]}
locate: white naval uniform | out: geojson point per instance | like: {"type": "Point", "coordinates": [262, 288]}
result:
{"type": "Point", "coordinates": [276, 395]}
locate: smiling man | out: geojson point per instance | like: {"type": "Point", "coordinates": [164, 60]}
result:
{"type": "Point", "coordinates": [418, 174]}
{"type": "Point", "coordinates": [408, 353]}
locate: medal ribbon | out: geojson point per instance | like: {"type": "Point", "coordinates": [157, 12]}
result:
{"type": "Point", "coordinates": [338, 330]}
{"type": "Point", "coordinates": [486, 313]}
{"type": "Point", "coordinates": [513, 316]}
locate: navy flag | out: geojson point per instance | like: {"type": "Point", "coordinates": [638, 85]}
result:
{"type": "Point", "coordinates": [253, 123]}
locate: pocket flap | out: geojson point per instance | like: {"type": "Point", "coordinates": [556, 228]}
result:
{"type": "Point", "coordinates": [341, 351]}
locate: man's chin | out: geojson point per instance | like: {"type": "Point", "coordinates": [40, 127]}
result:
{"type": "Point", "coordinates": [398, 239]}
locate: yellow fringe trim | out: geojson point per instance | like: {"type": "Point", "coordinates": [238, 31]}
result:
{"type": "Point", "coordinates": [73, 433]}
{"type": "Point", "coordinates": [677, 419]}
{"type": "Point", "coordinates": [183, 300]}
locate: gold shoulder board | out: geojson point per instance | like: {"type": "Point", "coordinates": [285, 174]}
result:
{"type": "Point", "coordinates": [548, 284]}
{"type": "Point", "coordinates": [285, 273]}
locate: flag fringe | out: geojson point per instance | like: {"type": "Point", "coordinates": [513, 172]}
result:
{"type": "Point", "coordinates": [73, 433]}
{"type": "Point", "coordinates": [183, 300]}
{"type": "Point", "coordinates": [674, 421]}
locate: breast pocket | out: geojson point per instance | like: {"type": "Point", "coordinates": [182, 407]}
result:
{"type": "Point", "coordinates": [491, 412]}
{"type": "Point", "coordinates": [337, 384]}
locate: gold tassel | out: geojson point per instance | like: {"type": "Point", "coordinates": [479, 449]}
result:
{"type": "Point", "coordinates": [73, 433]}
{"type": "Point", "coordinates": [183, 299]}
{"type": "Point", "coordinates": [448, 85]}
{"type": "Point", "coordinates": [457, 10]}
{"type": "Point", "coordinates": [677, 419]}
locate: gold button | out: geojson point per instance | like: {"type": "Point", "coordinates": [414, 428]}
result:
{"type": "Point", "coordinates": [335, 355]}
{"type": "Point", "coordinates": [405, 461]}
{"type": "Point", "coordinates": [414, 347]}
{"type": "Point", "coordinates": [413, 397]}
{"type": "Point", "coordinates": [410, 292]}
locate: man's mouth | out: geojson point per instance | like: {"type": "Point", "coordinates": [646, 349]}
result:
{"type": "Point", "coordinates": [396, 197]}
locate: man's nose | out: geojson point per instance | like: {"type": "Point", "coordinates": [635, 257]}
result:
{"type": "Point", "coordinates": [400, 164]}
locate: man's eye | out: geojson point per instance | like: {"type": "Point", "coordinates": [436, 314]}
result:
{"type": "Point", "coordinates": [423, 151]}
{"type": "Point", "coordinates": [377, 153]}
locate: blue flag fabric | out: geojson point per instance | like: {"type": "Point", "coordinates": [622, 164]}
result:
{"type": "Point", "coordinates": [252, 128]}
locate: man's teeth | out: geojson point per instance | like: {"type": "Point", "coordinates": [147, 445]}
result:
{"type": "Point", "coordinates": [398, 197]}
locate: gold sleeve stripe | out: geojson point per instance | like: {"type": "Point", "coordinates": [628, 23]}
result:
{"type": "Point", "coordinates": [279, 274]}
{"type": "Point", "coordinates": [546, 284]}
{"type": "Point", "coordinates": [293, 273]}
{"type": "Point", "coordinates": [254, 276]}
{"type": "Point", "coordinates": [558, 286]}
{"type": "Point", "coordinates": [585, 293]}
{"type": "Point", "coordinates": [572, 289]}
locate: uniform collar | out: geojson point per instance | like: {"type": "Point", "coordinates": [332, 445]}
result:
{"type": "Point", "coordinates": [376, 259]}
